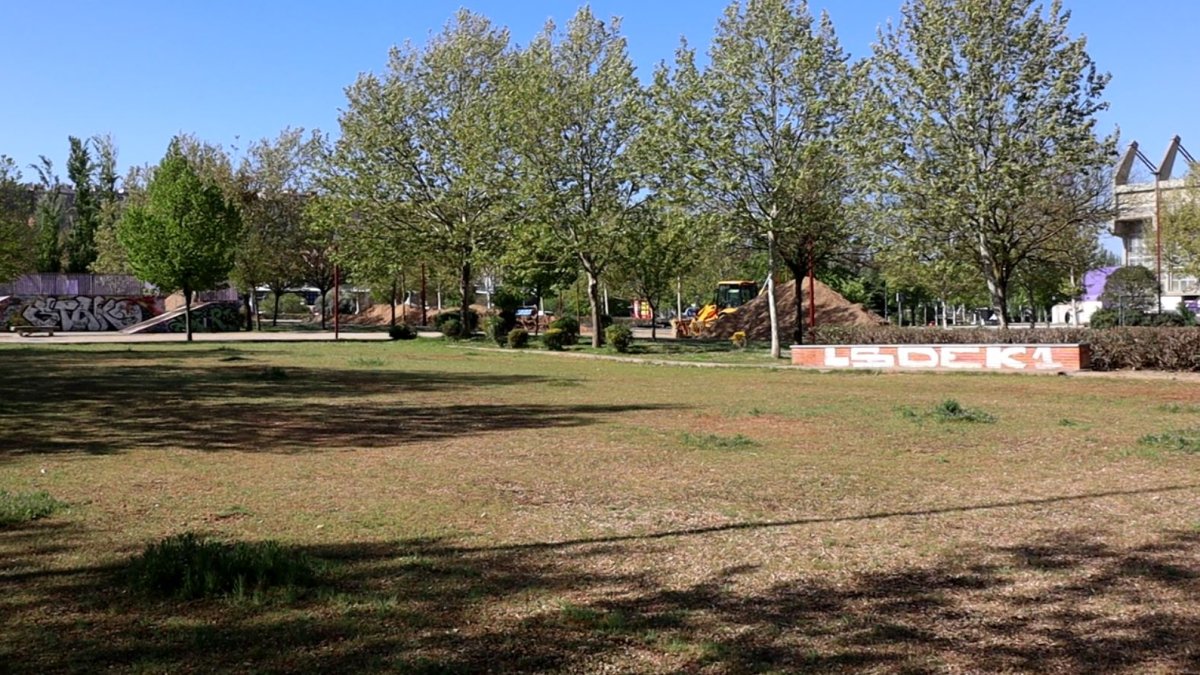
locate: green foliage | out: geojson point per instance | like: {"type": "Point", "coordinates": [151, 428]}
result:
{"type": "Point", "coordinates": [1106, 318]}
{"type": "Point", "coordinates": [85, 211]}
{"type": "Point", "coordinates": [716, 442]}
{"type": "Point", "coordinates": [20, 507]}
{"type": "Point", "coordinates": [981, 136]}
{"type": "Point", "coordinates": [555, 339]}
{"type": "Point", "coordinates": [569, 326]}
{"type": "Point", "coordinates": [289, 303]}
{"type": "Point", "coordinates": [1130, 290]}
{"type": "Point", "coordinates": [402, 331]}
{"type": "Point", "coordinates": [619, 337]}
{"type": "Point", "coordinates": [518, 338]}
{"type": "Point", "coordinates": [189, 566]}
{"type": "Point", "coordinates": [184, 235]}
{"type": "Point", "coordinates": [440, 320]}
{"type": "Point", "coordinates": [948, 410]}
{"type": "Point", "coordinates": [17, 238]}
{"type": "Point", "coordinates": [1186, 441]}
{"type": "Point", "coordinates": [49, 217]}
{"type": "Point", "coordinates": [453, 329]}
{"type": "Point", "coordinates": [1181, 225]}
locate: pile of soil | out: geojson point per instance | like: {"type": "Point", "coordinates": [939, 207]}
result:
{"type": "Point", "coordinates": [754, 316]}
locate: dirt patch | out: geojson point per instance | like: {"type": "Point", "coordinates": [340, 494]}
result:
{"type": "Point", "coordinates": [754, 316]}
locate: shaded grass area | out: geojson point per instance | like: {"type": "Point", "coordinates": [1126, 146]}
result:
{"type": "Point", "coordinates": [457, 511]}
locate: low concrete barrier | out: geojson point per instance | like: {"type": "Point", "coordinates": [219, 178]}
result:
{"type": "Point", "coordinates": [986, 357]}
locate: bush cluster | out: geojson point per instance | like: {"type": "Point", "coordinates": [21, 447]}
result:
{"type": "Point", "coordinates": [189, 566]}
{"type": "Point", "coordinates": [459, 330]}
{"type": "Point", "coordinates": [289, 303]}
{"type": "Point", "coordinates": [619, 337]}
{"type": "Point", "coordinates": [1133, 347]}
{"type": "Point", "coordinates": [1110, 318]}
{"type": "Point", "coordinates": [402, 331]}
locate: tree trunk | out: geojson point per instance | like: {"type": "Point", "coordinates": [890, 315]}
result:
{"type": "Point", "coordinates": [324, 291]}
{"type": "Point", "coordinates": [275, 313]}
{"type": "Point", "coordinates": [187, 312]}
{"type": "Point", "coordinates": [653, 323]}
{"type": "Point", "coordinates": [249, 311]}
{"type": "Point", "coordinates": [468, 293]}
{"type": "Point", "coordinates": [796, 267]}
{"type": "Point", "coordinates": [593, 292]}
{"type": "Point", "coordinates": [393, 299]}
{"type": "Point", "coordinates": [772, 311]}
{"type": "Point", "coordinates": [997, 282]}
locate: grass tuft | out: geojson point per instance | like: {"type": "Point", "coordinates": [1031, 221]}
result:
{"type": "Point", "coordinates": [1179, 408]}
{"type": "Point", "coordinates": [22, 507]}
{"type": "Point", "coordinates": [715, 442]}
{"type": "Point", "coordinates": [1187, 441]}
{"type": "Point", "coordinates": [189, 566]}
{"type": "Point", "coordinates": [948, 410]}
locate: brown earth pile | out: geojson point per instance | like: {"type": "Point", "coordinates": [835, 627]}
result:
{"type": "Point", "coordinates": [754, 316]}
{"type": "Point", "coordinates": [381, 315]}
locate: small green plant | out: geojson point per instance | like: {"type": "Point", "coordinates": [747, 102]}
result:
{"type": "Point", "coordinates": [739, 339]}
{"type": "Point", "coordinates": [619, 337]}
{"type": "Point", "coordinates": [497, 329]}
{"type": "Point", "coordinates": [715, 442]}
{"type": "Point", "coordinates": [1187, 441]}
{"type": "Point", "coordinates": [402, 331]}
{"type": "Point", "coordinates": [554, 339]}
{"type": "Point", "coordinates": [22, 507]}
{"type": "Point", "coordinates": [189, 566]}
{"type": "Point", "coordinates": [948, 410]}
{"type": "Point", "coordinates": [453, 329]}
{"type": "Point", "coordinates": [569, 325]}
{"type": "Point", "coordinates": [518, 338]}
{"type": "Point", "coordinates": [1179, 408]}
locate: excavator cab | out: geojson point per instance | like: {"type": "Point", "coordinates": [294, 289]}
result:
{"type": "Point", "coordinates": [734, 294]}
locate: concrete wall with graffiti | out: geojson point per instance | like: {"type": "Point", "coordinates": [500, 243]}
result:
{"type": "Point", "coordinates": [78, 312]}
{"type": "Point", "coordinates": [209, 317]}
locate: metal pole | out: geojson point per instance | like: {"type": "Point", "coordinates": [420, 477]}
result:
{"type": "Point", "coordinates": [1158, 236]}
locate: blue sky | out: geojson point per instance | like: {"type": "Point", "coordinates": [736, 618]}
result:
{"type": "Point", "coordinates": [232, 71]}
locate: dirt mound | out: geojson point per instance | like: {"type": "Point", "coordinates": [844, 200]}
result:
{"type": "Point", "coordinates": [381, 315]}
{"type": "Point", "coordinates": [754, 316]}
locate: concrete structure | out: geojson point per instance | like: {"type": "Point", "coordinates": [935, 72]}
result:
{"type": "Point", "coordinates": [991, 357]}
{"type": "Point", "coordinates": [1080, 312]}
{"type": "Point", "coordinates": [1139, 209]}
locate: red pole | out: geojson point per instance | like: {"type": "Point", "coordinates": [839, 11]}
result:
{"type": "Point", "coordinates": [812, 281]}
{"type": "Point", "coordinates": [336, 303]}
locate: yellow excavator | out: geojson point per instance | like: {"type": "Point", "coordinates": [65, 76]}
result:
{"type": "Point", "coordinates": [730, 295]}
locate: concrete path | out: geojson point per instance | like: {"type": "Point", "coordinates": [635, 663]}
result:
{"type": "Point", "coordinates": [247, 336]}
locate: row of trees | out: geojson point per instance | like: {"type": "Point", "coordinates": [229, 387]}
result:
{"type": "Point", "coordinates": [960, 156]}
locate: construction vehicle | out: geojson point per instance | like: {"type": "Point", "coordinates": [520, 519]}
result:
{"type": "Point", "coordinates": [729, 297]}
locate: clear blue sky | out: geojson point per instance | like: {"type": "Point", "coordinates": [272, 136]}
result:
{"type": "Point", "coordinates": [228, 70]}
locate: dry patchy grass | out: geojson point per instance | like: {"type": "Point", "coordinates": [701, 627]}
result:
{"type": "Point", "coordinates": [485, 511]}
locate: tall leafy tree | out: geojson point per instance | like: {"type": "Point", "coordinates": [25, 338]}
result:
{"type": "Point", "coordinates": [183, 236]}
{"type": "Point", "coordinates": [109, 258]}
{"type": "Point", "coordinates": [649, 254]}
{"type": "Point", "coordinates": [985, 117]}
{"type": "Point", "coordinates": [576, 106]}
{"type": "Point", "coordinates": [17, 228]}
{"type": "Point", "coordinates": [277, 177]}
{"type": "Point", "coordinates": [760, 136]}
{"type": "Point", "coordinates": [1181, 226]}
{"type": "Point", "coordinates": [85, 209]}
{"type": "Point", "coordinates": [49, 217]}
{"type": "Point", "coordinates": [421, 150]}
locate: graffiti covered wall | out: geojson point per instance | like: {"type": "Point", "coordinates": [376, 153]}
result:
{"type": "Point", "coordinates": [209, 317]}
{"type": "Point", "coordinates": [79, 312]}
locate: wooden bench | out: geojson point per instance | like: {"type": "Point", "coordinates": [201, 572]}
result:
{"type": "Point", "coordinates": [31, 331]}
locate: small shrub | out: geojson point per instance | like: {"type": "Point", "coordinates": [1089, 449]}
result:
{"type": "Point", "coordinates": [518, 338]}
{"type": "Point", "coordinates": [619, 337]}
{"type": "Point", "coordinates": [402, 331]}
{"type": "Point", "coordinates": [554, 339]}
{"type": "Point", "coordinates": [289, 303]}
{"type": "Point", "coordinates": [189, 566]}
{"type": "Point", "coordinates": [22, 507]}
{"type": "Point", "coordinates": [1187, 441]}
{"type": "Point", "coordinates": [453, 329]}
{"type": "Point", "coordinates": [569, 326]}
{"type": "Point", "coordinates": [739, 339]}
{"type": "Point", "coordinates": [497, 328]}
{"type": "Point", "coordinates": [472, 320]}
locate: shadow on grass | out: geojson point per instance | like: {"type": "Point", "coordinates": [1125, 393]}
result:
{"type": "Point", "coordinates": [1064, 601]}
{"type": "Point", "coordinates": [104, 402]}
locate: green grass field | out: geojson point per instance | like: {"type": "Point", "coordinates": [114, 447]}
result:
{"type": "Point", "coordinates": [473, 511]}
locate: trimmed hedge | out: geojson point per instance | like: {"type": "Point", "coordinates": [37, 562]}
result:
{"type": "Point", "coordinates": [1131, 347]}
